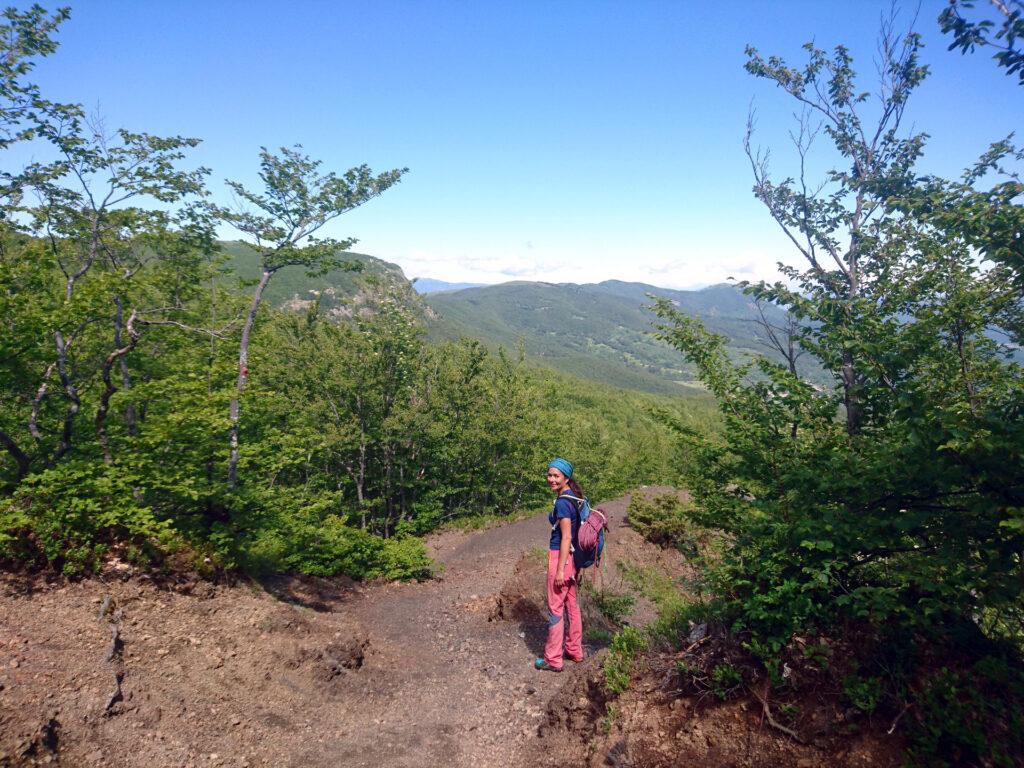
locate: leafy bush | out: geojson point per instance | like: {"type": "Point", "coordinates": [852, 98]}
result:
{"type": "Point", "coordinates": [618, 666]}
{"type": "Point", "coordinates": [971, 716]}
{"type": "Point", "coordinates": [725, 679]}
{"type": "Point", "coordinates": [665, 520]}
{"type": "Point", "coordinates": [613, 606]}
{"type": "Point", "coordinates": [69, 518]}
{"type": "Point", "coordinates": [281, 532]}
{"type": "Point", "coordinates": [864, 693]}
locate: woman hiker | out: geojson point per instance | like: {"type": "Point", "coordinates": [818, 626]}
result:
{"type": "Point", "coordinates": [562, 597]}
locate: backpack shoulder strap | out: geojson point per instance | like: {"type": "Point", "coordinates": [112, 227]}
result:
{"type": "Point", "coordinates": [577, 502]}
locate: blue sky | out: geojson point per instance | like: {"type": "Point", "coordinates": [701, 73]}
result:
{"type": "Point", "coordinates": [559, 141]}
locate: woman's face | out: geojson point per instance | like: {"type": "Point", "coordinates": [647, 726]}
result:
{"type": "Point", "coordinates": [556, 480]}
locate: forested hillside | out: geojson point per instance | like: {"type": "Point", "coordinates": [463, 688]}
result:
{"type": "Point", "coordinates": [604, 332]}
{"type": "Point", "coordinates": [600, 332]}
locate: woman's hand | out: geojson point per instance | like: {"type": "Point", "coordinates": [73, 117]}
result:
{"type": "Point", "coordinates": [559, 581]}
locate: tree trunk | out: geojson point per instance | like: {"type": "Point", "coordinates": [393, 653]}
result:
{"type": "Point", "coordinates": [19, 456]}
{"type": "Point", "coordinates": [37, 401]}
{"type": "Point", "coordinates": [126, 380]}
{"type": "Point", "coordinates": [361, 479]}
{"type": "Point", "coordinates": [72, 395]}
{"type": "Point", "coordinates": [401, 498]}
{"type": "Point", "coordinates": [851, 384]}
{"type": "Point", "coordinates": [851, 398]}
{"type": "Point", "coordinates": [243, 374]}
{"type": "Point", "coordinates": [109, 389]}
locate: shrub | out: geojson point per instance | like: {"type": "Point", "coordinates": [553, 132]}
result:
{"type": "Point", "coordinates": [864, 693]}
{"type": "Point", "coordinates": [69, 518]}
{"type": "Point", "coordinates": [281, 534]}
{"type": "Point", "coordinates": [613, 606]}
{"type": "Point", "coordinates": [665, 520]}
{"type": "Point", "coordinates": [618, 666]}
{"type": "Point", "coordinates": [971, 717]}
{"type": "Point", "coordinates": [725, 679]}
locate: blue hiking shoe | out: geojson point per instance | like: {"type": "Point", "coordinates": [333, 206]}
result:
{"type": "Point", "coordinates": [544, 666]}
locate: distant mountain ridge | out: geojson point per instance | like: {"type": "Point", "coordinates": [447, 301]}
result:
{"type": "Point", "coordinates": [430, 285]}
{"type": "Point", "coordinates": [599, 331]}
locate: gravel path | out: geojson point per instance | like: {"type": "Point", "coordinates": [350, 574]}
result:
{"type": "Point", "coordinates": [300, 673]}
{"type": "Point", "coordinates": [458, 670]}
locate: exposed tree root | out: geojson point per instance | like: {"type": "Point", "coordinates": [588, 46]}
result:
{"type": "Point", "coordinates": [115, 654]}
{"type": "Point", "coordinates": [766, 713]}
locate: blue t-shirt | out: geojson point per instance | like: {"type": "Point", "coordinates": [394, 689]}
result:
{"type": "Point", "coordinates": [564, 508]}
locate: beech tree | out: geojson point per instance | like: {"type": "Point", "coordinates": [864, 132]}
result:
{"type": "Point", "coordinates": [835, 224]}
{"type": "Point", "coordinates": [890, 504]}
{"type": "Point", "coordinates": [1004, 34]}
{"type": "Point", "coordinates": [281, 222]}
{"type": "Point", "coordinates": [87, 210]}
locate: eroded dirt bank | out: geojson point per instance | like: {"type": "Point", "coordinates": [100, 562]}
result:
{"type": "Point", "coordinates": [120, 672]}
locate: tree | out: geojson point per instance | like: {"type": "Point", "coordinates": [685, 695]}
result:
{"type": "Point", "coordinates": [89, 219]}
{"type": "Point", "coordinates": [296, 202]}
{"type": "Point", "coordinates": [902, 517]}
{"type": "Point", "coordinates": [969, 33]}
{"type": "Point", "coordinates": [835, 225]}
{"type": "Point", "coordinates": [23, 37]}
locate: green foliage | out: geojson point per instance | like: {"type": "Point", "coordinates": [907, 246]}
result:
{"type": "Point", "coordinates": [608, 721]}
{"type": "Point", "coordinates": [971, 716]}
{"type": "Point", "coordinates": [613, 606]}
{"type": "Point", "coordinates": [971, 32]}
{"type": "Point", "coordinates": [900, 513]}
{"type": "Point", "coordinates": [887, 500]}
{"type": "Point", "coordinates": [310, 540]}
{"type": "Point", "coordinates": [597, 636]}
{"type": "Point", "coordinates": [296, 201]}
{"type": "Point", "coordinates": [618, 666]}
{"type": "Point", "coordinates": [725, 679]}
{"type": "Point", "coordinates": [865, 693]}
{"type": "Point", "coordinates": [72, 516]}
{"type": "Point", "coordinates": [818, 654]}
{"type": "Point", "coordinates": [665, 520]}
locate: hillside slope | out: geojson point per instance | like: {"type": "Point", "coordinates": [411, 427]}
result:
{"type": "Point", "coordinates": [341, 291]}
{"type": "Point", "coordinates": [599, 331]}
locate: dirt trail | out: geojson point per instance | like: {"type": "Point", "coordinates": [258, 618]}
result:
{"type": "Point", "coordinates": [301, 673]}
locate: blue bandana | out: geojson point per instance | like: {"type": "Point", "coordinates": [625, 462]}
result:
{"type": "Point", "coordinates": [562, 466]}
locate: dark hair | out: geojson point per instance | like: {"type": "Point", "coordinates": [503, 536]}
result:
{"type": "Point", "coordinates": [576, 488]}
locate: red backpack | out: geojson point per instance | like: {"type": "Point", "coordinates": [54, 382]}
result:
{"type": "Point", "coordinates": [589, 540]}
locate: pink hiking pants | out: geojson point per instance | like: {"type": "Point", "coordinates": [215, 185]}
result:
{"type": "Point", "coordinates": [562, 600]}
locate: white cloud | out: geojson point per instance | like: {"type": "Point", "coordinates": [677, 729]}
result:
{"type": "Point", "coordinates": [664, 267]}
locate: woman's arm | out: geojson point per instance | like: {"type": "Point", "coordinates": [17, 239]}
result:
{"type": "Point", "coordinates": [565, 526]}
